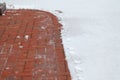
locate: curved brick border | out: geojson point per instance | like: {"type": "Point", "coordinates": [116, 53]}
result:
{"type": "Point", "coordinates": [31, 46]}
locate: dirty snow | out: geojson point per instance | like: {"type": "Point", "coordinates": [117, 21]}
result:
{"type": "Point", "coordinates": [90, 35]}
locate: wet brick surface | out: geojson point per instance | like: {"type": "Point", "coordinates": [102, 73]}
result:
{"type": "Point", "coordinates": [31, 47]}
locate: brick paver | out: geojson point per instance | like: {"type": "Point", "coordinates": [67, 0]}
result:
{"type": "Point", "coordinates": [31, 46]}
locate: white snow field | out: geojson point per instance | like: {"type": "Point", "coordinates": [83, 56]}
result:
{"type": "Point", "coordinates": [91, 35]}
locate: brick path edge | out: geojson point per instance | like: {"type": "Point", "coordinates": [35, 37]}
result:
{"type": "Point", "coordinates": [31, 46]}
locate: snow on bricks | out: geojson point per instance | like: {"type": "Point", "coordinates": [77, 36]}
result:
{"type": "Point", "coordinates": [31, 46]}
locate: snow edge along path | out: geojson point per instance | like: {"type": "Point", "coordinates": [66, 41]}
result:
{"type": "Point", "coordinates": [73, 60]}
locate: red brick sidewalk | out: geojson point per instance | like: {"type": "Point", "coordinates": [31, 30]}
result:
{"type": "Point", "coordinates": [31, 47]}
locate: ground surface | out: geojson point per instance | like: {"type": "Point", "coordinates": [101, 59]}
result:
{"type": "Point", "coordinates": [91, 34]}
{"type": "Point", "coordinates": [31, 47]}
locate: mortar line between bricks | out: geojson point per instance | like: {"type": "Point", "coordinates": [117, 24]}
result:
{"type": "Point", "coordinates": [5, 61]}
{"type": "Point", "coordinates": [18, 45]}
{"type": "Point", "coordinates": [2, 49]}
{"type": "Point", "coordinates": [28, 45]}
{"type": "Point", "coordinates": [26, 42]}
{"type": "Point", "coordinates": [18, 52]}
{"type": "Point", "coordinates": [24, 33]}
{"type": "Point", "coordinates": [45, 56]}
{"type": "Point", "coordinates": [2, 34]}
{"type": "Point", "coordinates": [36, 48]}
{"type": "Point", "coordinates": [3, 37]}
{"type": "Point", "coordinates": [7, 55]}
{"type": "Point", "coordinates": [54, 51]}
{"type": "Point", "coordinates": [10, 50]}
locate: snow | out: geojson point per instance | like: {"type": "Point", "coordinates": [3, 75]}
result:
{"type": "Point", "coordinates": [21, 46]}
{"type": "Point", "coordinates": [18, 37]}
{"type": "Point", "coordinates": [90, 35]}
{"type": "Point", "coordinates": [7, 68]}
{"type": "Point", "coordinates": [26, 37]}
